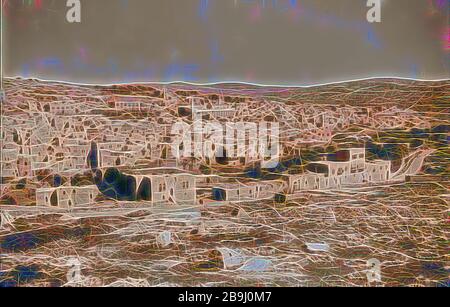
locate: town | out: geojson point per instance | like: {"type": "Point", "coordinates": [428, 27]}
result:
{"type": "Point", "coordinates": [99, 186]}
{"type": "Point", "coordinates": [69, 146]}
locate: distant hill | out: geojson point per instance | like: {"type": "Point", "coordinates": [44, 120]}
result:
{"type": "Point", "coordinates": [364, 92]}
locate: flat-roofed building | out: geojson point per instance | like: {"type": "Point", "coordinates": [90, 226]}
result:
{"type": "Point", "coordinates": [66, 197]}
{"type": "Point", "coordinates": [247, 192]}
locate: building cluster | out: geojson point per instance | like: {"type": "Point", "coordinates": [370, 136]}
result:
{"type": "Point", "coordinates": [51, 131]}
{"type": "Point", "coordinates": [346, 168]}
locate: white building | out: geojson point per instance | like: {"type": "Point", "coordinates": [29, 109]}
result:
{"type": "Point", "coordinates": [170, 188]}
{"type": "Point", "coordinates": [201, 107]}
{"type": "Point", "coordinates": [247, 192]}
{"type": "Point", "coordinates": [62, 108]}
{"type": "Point", "coordinates": [135, 103]}
{"type": "Point", "coordinates": [66, 197]}
{"type": "Point", "coordinates": [347, 168]}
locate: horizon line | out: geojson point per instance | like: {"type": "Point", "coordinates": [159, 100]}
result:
{"type": "Point", "coordinates": [224, 82]}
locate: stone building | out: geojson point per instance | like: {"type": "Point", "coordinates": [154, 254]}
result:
{"type": "Point", "coordinates": [66, 197]}
{"type": "Point", "coordinates": [247, 192]}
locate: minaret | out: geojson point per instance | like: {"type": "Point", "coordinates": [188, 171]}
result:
{"type": "Point", "coordinates": [193, 111]}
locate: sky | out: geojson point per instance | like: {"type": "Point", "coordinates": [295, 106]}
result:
{"type": "Point", "coordinates": [285, 42]}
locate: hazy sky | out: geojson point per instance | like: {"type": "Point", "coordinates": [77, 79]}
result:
{"type": "Point", "coordinates": [295, 42]}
